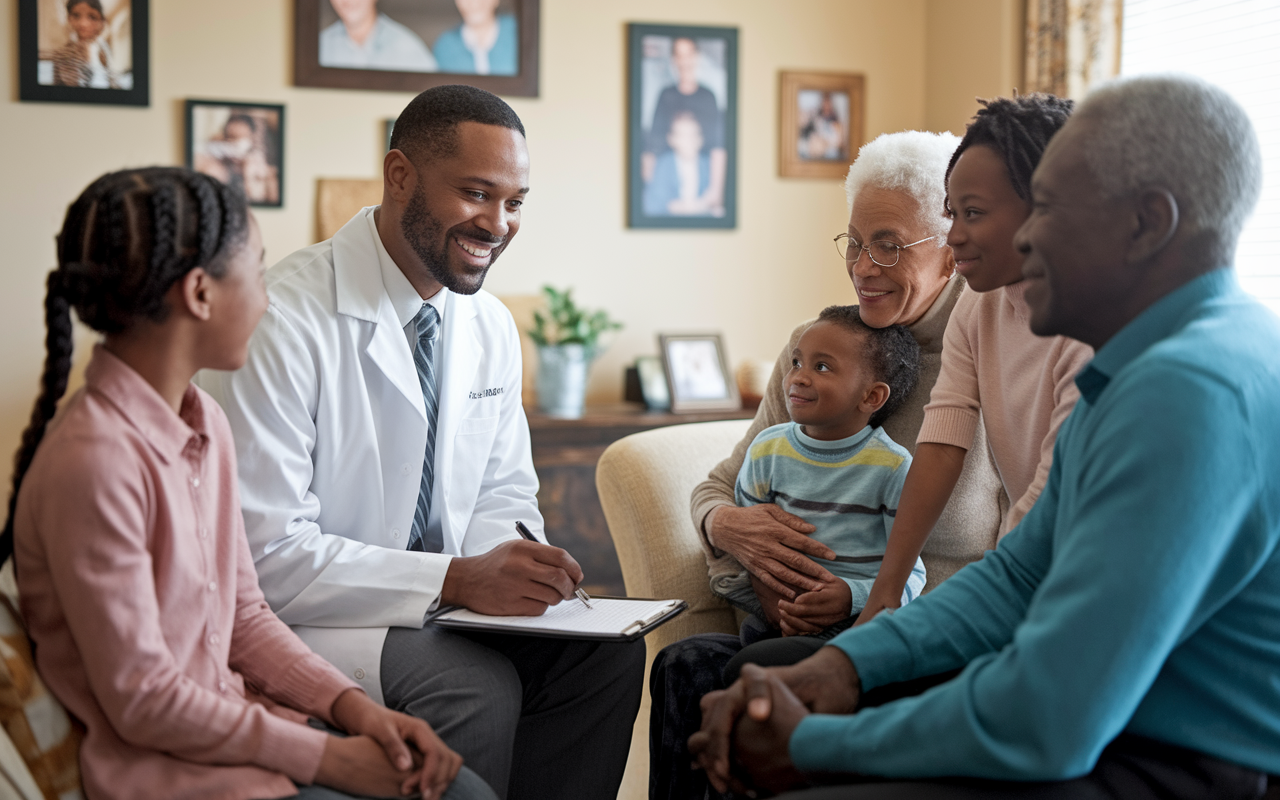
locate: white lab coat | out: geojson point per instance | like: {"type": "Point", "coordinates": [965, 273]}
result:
{"type": "Point", "coordinates": [330, 433]}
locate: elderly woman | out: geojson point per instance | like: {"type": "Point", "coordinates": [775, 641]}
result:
{"type": "Point", "coordinates": [896, 254]}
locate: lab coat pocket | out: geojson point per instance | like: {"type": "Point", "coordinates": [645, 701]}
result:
{"type": "Point", "coordinates": [474, 425]}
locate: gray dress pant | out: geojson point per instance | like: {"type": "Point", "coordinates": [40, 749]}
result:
{"type": "Point", "coordinates": [534, 717]}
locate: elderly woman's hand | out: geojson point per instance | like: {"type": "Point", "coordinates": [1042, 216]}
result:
{"type": "Point", "coordinates": [773, 545]}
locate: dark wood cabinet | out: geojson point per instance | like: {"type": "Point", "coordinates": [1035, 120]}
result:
{"type": "Point", "coordinates": [565, 452]}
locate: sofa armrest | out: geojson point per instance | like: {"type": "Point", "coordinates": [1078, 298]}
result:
{"type": "Point", "coordinates": [645, 481]}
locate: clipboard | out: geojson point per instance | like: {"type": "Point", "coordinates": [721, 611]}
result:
{"type": "Point", "coordinates": [570, 620]}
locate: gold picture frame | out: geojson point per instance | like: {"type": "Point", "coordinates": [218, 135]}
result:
{"type": "Point", "coordinates": [820, 123]}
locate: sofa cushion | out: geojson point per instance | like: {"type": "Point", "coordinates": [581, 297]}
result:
{"type": "Point", "coordinates": [38, 727]}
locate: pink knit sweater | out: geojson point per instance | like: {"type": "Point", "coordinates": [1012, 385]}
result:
{"type": "Point", "coordinates": [1022, 384]}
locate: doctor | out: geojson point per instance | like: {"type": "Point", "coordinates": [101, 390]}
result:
{"type": "Point", "coordinates": [384, 459]}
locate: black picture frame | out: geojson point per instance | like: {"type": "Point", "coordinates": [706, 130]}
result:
{"type": "Point", "coordinates": [268, 144]}
{"type": "Point", "coordinates": [36, 71]}
{"type": "Point", "coordinates": [307, 70]}
{"type": "Point", "coordinates": [653, 95]}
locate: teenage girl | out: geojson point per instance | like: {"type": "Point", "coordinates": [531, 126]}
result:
{"type": "Point", "coordinates": [1023, 385]}
{"type": "Point", "coordinates": [85, 60]}
{"type": "Point", "coordinates": [135, 576]}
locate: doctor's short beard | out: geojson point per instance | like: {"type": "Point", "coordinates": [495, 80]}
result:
{"type": "Point", "coordinates": [422, 230]}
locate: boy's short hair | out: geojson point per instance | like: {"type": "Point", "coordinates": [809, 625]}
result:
{"type": "Point", "coordinates": [892, 352]}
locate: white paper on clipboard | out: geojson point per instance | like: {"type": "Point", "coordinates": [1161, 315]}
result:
{"type": "Point", "coordinates": [609, 618]}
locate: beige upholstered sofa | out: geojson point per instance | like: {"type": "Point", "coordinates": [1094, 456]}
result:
{"type": "Point", "coordinates": [645, 481]}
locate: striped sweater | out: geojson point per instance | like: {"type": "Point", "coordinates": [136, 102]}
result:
{"type": "Point", "coordinates": [847, 488]}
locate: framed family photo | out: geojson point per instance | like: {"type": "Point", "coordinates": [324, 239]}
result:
{"type": "Point", "coordinates": [698, 375]}
{"type": "Point", "coordinates": [412, 45]}
{"type": "Point", "coordinates": [84, 51]}
{"type": "Point", "coordinates": [820, 123]}
{"type": "Point", "coordinates": [240, 144]}
{"type": "Point", "coordinates": [682, 107]}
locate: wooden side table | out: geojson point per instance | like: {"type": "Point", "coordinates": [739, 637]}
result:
{"type": "Point", "coordinates": [565, 452]}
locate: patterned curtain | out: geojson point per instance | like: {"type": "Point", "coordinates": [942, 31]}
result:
{"type": "Point", "coordinates": [1072, 45]}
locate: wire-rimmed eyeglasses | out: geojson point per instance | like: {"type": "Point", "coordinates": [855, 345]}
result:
{"type": "Point", "coordinates": [882, 252]}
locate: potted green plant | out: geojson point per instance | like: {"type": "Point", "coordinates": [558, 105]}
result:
{"type": "Point", "coordinates": [568, 340]}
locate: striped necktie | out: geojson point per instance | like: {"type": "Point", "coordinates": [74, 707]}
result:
{"type": "Point", "coordinates": [428, 325]}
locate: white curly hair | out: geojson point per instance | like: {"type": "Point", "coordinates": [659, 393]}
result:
{"type": "Point", "coordinates": [1180, 133]}
{"type": "Point", "coordinates": [914, 162]}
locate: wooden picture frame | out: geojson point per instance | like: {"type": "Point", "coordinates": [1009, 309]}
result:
{"type": "Point", "coordinates": [57, 63]}
{"type": "Point", "coordinates": [241, 144]}
{"type": "Point", "coordinates": [696, 188]}
{"type": "Point", "coordinates": [425, 21]}
{"type": "Point", "coordinates": [698, 374]}
{"type": "Point", "coordinates": [821, 117]}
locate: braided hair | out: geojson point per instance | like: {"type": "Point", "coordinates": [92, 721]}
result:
{"type": "Point", "coordinates": [892, 353]}
{"type": "Point", "coordinates": [1019, 129]}
{"type": "Point", "coordinates": [125, 241]}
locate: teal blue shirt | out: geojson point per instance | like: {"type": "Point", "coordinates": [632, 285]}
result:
{"type": "Point", "coordinates": [1140, 594]}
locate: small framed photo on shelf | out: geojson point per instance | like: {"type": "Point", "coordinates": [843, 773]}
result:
{"type": "Point", "coordinates": [682, 130]}
{"type": "Point", "coordinates": [240, 144]}
{"type": "Point", "coordinates": [697, 371]}
{"type": "Point", "coordinates": [412, 45]}
{"type": "Point", "coordinates": [653, 383]}
{"type": "Point", "coordinates": [84, 51]}
{"type": "Point", "coordinates": [820, 123]}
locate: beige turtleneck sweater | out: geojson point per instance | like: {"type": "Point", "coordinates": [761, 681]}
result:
{"type": "Point", "coordinates": [971, 520]}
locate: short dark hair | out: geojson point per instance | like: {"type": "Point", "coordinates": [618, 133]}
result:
{"type": "Point", "coordinates": [892, 352]}
{"type": "Point", "coordinates": [243, 119]}
{"type": "Point", "coordinates": [96, 5]}
{"type": "Point", "coordinates": [427, 129]}
{"type": "Point", "coordinates": [1019, 129]}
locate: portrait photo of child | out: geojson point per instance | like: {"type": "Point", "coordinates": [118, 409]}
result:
{"type": "Point", "coordinates": [241, 145]}
{"type": "Point", "coordinates": [683, 126]}
{"type": "Point", "coordinates": [91, 51]}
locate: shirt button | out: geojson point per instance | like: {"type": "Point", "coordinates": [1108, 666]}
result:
{"type": "Point", "coordinates": [213, 586]}
{"type": "Point", "coordinates": [405, 469]}
{"type": "Point", "coordinates": [195, 481]}
{"type": "Point", "coordinates": [204, 533]}
{"type": "Point", "coordinates": [359, 673]}
{"type": "Point", "coordinates": [213, 639]}
{"type": "Point", "coordinates": [222, 686]}
{"type": "Point", "coordinates": [395, 533]}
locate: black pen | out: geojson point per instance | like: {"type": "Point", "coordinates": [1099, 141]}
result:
{"type": "Point", "coordinates": [528, 534]}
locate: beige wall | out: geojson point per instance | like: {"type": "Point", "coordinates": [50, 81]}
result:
{"type": "Point", "coordinates": [924, 61]}
{"type": "Point", "coordinates": [975, 49]}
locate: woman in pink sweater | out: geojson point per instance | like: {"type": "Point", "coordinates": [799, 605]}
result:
{"type": "Point", "coordinates": [135, 576]}
{"type": "Point", "coordinates": [992, 364]}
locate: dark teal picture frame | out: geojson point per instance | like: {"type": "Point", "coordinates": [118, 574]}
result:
{"type": "Point", "coordinates": [638, 126]}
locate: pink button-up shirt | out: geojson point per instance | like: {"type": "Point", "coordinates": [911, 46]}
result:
{"type": "Point", "coordinates": [139, 590]}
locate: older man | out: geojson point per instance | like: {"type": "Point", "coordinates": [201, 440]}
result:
{"type": "Point", "coordinates": [1124, 641]}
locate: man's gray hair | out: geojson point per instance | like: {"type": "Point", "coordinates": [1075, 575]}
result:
{"type": "Point", "coordinates": [1182, 134]}
{"type": "Point", "coordinates": [914, 162]}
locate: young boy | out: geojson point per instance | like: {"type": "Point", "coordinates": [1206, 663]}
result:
{"type": "Point", "coordinates": [833, 465]}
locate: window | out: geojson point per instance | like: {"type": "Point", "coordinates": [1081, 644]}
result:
{"type": "Point", "coordinates": [1237, 46]}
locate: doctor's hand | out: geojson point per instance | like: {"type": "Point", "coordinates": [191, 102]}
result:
{"type": "Point", "coordinates": [433, 764]}
{"type": "Point", "coordinates": [516, 578]}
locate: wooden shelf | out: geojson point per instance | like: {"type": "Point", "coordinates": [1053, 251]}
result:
{"type": "Point", "coordinates": [565, 453]}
